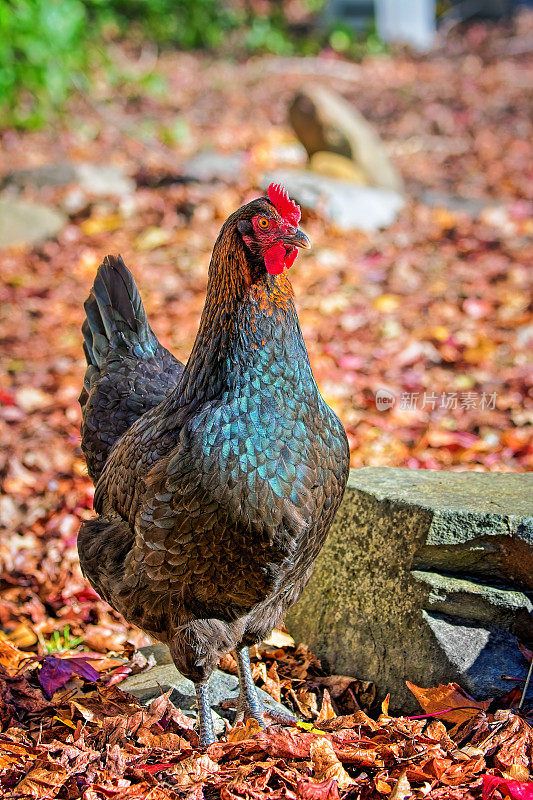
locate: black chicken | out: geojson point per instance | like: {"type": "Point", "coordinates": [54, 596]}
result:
{"type": "Point", "coordinates": [216, 482]}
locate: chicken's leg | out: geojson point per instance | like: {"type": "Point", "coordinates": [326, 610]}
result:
{"type": "Point", "coordinates": [205, 719]}
{"type": "Point", "coordinates": [249, 705]}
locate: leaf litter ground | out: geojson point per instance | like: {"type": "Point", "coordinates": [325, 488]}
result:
{"type": "Point", "coordinates": [437, 304]}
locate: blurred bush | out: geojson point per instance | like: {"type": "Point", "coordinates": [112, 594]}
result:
{"type": "Point", "coordinates": [50, 47]}
{"type": "Point", "coordinates": [179, 23]}
{"type": "Point", "coordinates": [42, 44]}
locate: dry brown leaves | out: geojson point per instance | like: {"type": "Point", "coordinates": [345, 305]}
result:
{"type": "Point", "coordinates": [95, 742]}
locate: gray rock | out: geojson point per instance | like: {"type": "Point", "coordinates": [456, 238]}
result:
{"type": "Point", "coordinates": [462, 205]}
{"type": "Point", "coordinates": [479, 654]}
{"type": "Point", "coordinates": [475, 601]}
{"type": "Point", "coordinates": [27, 223]}
{"type": "Point", "coordinates": [97, 179]}
{"type": "Point", "coordinates": [348, 206]}
{"type": "Point", "coordinates": [39, 177]}
{"type": "Point", "coordinates": [414, 555]}
{"type": "Point", "coordinates": [164, 676]}
{"type": "Point", "coordinates": [103, 180]}
{"type": "Point", "coordinates": [209, 166]}
{"type": "Point", "coordinates": [323, 120]}
{"type": "Point", "coordinates": [75, 201]}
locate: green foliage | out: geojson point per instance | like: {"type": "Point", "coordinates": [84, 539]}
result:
{"type": "Point", "coordinates": [179, 23]}
{"type": "Point", "coordinates": [176, 133]}
{"type": "Point", "coordinates": [62, 642]}
{"type": "Point", "coordinates": [268, 34]}
{"type": "Point", "coordinates": [48, 47]}
{"type": "Point", "coordinates": [41, 47]}
{"type": "Point", "coordinates": [356, 45]}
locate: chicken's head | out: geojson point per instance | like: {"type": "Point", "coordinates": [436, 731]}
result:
{"type": "Point", "coordinates": [273, 233]}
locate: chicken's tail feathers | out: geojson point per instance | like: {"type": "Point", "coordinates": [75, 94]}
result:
{"type": "Point", "coordinates": [115, 316]}
{"type": "Point", "coordinates": [128, 370]}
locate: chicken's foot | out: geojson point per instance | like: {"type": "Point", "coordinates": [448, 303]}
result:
{"type": "Point", "coordinates": [249, 705]}
{"type": "Point", "coordinates": [205, 719]}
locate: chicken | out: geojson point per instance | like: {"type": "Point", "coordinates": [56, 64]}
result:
{"type": "Point", "coordinates": [216, 482]}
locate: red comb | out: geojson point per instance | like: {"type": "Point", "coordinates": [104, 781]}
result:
{"type": "Point", "coordinates": [286, 208]}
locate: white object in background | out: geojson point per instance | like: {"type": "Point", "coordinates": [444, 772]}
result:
{"type": "Point", "coordinates": [408, 21]}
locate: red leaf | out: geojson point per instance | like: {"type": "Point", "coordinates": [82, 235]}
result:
{"type": "Point", "coordinates": [155, 768]}
{"type": "Point", "coordinates": [517, 790]}
{"type": "Point", "coordinates": [326, 790]}
{"type": "Point", "coordinates": [6, 399]}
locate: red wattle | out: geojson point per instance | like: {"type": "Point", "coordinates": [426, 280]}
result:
{"type": "Point", "coordinates": [275, 259]}
{"type": "Point", "coordinates": [290, 258]}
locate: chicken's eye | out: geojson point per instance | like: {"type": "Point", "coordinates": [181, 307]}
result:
{"type": "Point", "coordinates": [263, 222]}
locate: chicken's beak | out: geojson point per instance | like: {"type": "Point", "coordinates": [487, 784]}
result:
{"type": "Point", "coordinates": [297, 239]}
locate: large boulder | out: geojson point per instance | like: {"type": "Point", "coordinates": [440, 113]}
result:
{"type": "Point", "coordinates": [426, 576]}
{"type": "Point", "coordinates": [325, 121]}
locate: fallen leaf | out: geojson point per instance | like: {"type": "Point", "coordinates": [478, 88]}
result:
{"type": "Point", "coordinates": [326, 765]}
{"type": "Point", "coordinates": [151, 238]}
{"type": "Point", "coordinates": [241, 732]}
{"type": "Point", "coordinates": [314, 790]}
{"type": "Point", "coordinates": [56, 672]}
{"type": "Point", "coordinates": [193, 769]}
{"type": "Point", "coordinates": [22, 636]}
{"type": "Point", "coordinates": [279, 639]}
{"type": "Point", "coordinates": [326, 710]}
{"type": "Point", "coordinates": [43, 780]}
{"type": "Point", "coordinates": [10, 656]}
{"type": "Point", "coordinates": [382, 786]}
{"type": "Point", "coordinates": [97, 224]}
{"type": "Point", "coordinates": [451, 699]}
{"type": "Point", "coordinates": [402, 788]}
{"type": "Point", "coordinates": [516, 790]}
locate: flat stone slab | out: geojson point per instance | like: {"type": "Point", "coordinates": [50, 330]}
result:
{"type": "Point", "coordinates": [164, 676]}
{"type": "Point", "coordinates": [347, 205]}
{"type": "Point", "coordinates": [473, 600]}
{"type": "Point", "coordinates": [426, 576]}
{"type": "Point", "coordinates": [28, 223]}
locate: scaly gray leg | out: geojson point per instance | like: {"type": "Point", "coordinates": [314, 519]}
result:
{"type": "Point", "coordinates": [249, 705]}
{"type": "Point", "coordinates": [205, 720]}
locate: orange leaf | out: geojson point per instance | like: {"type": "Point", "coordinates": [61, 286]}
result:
{"type": "Point", "coordinates": [43, 780]}
{"type": "Point", "coordinates": [382, 786]}
{"type": "Point", "coordinates": [326, 711]}
{"type": "Point", "coordinates": [326, 765]}
{"type": "Point", "coordinates": [459, 706]}
{"type": "Point", "coordinates": [10, 656]}
{"type": "Point", "coordinates": [194, 769]}
{"type": "Point", "coordinates": [402, 788]}
{"type": "Point", "coordinates": [242, 732]}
